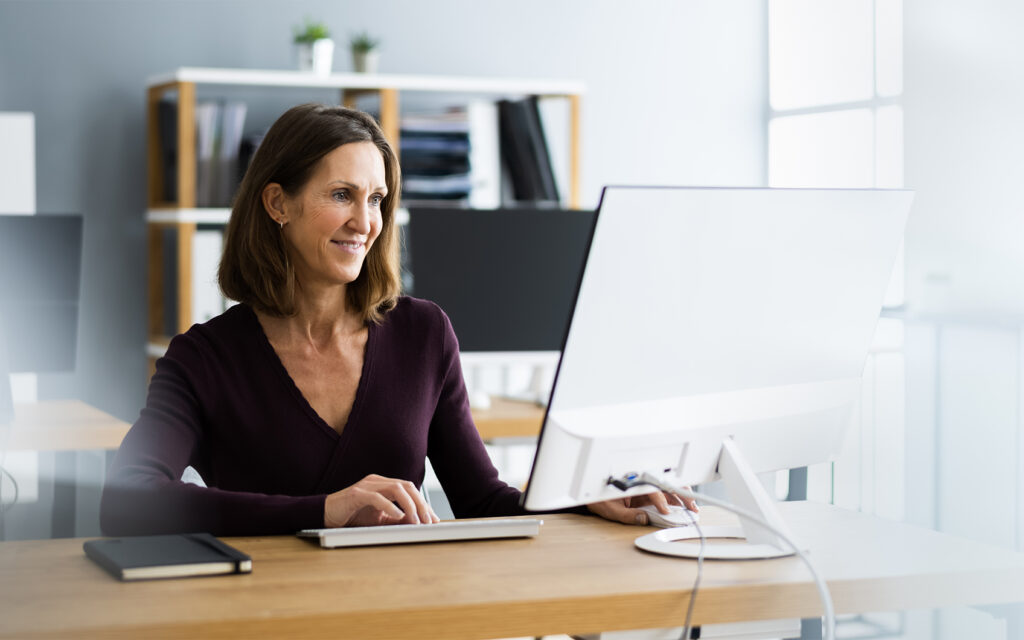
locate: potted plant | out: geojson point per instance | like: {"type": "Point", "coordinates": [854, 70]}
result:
{"type": "Point", "coordinates": [316, 49]}
{"type": "Point", "coordinates": [364, 52]}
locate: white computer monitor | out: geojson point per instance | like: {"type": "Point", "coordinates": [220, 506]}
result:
{"type": "Point", "coordinates": [711, 320]}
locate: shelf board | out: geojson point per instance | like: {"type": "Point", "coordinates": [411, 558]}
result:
{"type": "Point", "coordinates": [157, 349]}
{"type": "Point", "coordinates": [367, 81]}
{"type": "Point", "coordinates": [196, 216]}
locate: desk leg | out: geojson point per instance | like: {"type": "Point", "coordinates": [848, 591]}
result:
{"type": "Point", "coordinates": [810, 628]}
{"type": "Point", "coordinates": [64, 476]}
{"type": "Point", "coordinates": [1012, 614]}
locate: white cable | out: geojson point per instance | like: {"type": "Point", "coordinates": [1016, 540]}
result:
{"type": "Point", "coordinates": [687, 628]}
{"type": "Point", "coordinates": [829, 619]}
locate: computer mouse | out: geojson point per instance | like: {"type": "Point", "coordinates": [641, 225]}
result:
{"type": "Point", "coordinates": [677, 517]}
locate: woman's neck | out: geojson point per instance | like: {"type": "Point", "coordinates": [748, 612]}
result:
{"type": "Point", "coordinates": [322, 320]}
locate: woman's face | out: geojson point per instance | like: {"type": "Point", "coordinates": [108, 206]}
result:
{"type": "Point", "coordinates": [333, 221]}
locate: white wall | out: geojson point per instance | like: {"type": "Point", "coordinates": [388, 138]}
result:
{"type": "Point", "coordinates": [676, 90]}
{"type": "Point", "coordinates": [964, 100]}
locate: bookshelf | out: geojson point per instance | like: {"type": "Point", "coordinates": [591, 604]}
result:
{"type": "Point", "coordinates": [182, 217]}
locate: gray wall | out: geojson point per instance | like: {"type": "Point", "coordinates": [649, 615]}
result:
{"type": "Point", "coordinates": [677, 92]}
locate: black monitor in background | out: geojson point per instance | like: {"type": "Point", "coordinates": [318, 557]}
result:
{"type": "Point", "coordinates": [507, 278]}
{"type": "Point", "coordinates": [40, 267]}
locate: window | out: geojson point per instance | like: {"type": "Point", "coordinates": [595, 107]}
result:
{"type": "Point", "coordinates": [835, 83]}
{"type": "Point", "coordinates": [835, 119]}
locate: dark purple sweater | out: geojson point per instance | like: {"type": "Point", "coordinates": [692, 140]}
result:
{"type": "Point", "coordinates": [222, 402]}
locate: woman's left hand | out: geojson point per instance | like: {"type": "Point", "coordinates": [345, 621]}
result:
{"type": "Point", "coordinates": [626, 510]}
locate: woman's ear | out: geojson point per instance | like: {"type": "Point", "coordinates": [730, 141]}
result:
{"type": "Point", "coordinates": [273, 202]}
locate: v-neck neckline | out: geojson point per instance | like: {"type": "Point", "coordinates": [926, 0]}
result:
{"type": "Point", "coordinates": [289, 382]}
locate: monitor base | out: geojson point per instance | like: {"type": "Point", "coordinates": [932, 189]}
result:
{"type": "Point", "coordinates": [668, 542]}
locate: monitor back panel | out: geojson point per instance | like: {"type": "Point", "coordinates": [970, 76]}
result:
{"type": "Point", "coordinates": [507, 278]}
{"type": "Point", "coordinates": [40, 263]}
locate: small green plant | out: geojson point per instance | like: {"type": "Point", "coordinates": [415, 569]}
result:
{"type": "Point", "coordinates": [364, 43]}
{"type": "Point", "coordinates": [311, 32]}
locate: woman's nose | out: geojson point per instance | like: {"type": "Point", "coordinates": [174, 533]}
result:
{"type": "Point", "coordinates": [360, 222]}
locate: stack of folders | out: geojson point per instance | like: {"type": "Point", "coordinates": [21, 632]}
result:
{"type": "Point", "coordinates": [167, 556]}
{"type": "Point", "coordinates": [452, 156]}
{"type": "Point", "coordinates": [435, 156]}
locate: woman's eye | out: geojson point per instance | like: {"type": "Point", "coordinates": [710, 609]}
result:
{"type": "Point", "coordinates": [340, 196]}
{"type": "Point", "coordinates": [376, 199]}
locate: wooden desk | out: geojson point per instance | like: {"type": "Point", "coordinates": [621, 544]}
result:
{"type": "Point", "coordinates": [579, 575]}
{"type": "Point", "coordinates": [508, 419]}
{"type": "Point", "coordinates": [70, 425]}
{"type": "Point", "coordinates": [63, 425]}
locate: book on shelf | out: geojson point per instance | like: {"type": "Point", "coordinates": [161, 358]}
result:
{"type": "Point", "coordinates": [166, 556]}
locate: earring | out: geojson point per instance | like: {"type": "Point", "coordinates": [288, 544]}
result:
{"type": "Point", "coordinates": [281, 222]}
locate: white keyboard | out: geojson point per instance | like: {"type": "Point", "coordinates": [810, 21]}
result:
{"type": "Point", "coordinates": [483, 529]}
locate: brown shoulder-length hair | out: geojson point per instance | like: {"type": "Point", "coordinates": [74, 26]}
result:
{"type": "Point", "coordinates": [254, 267]}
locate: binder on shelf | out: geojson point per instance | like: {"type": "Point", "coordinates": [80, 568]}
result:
{"type": "Point", "coordinates": [207, 301]}
{"type": "Point", "coordinates": [539, 148]}
{"type": "Point", "coordinates": [207, 123]}
{"type": "Point", "coordinates": [484, 155]}
{"type": "Point", "coordinates": [227, 176]}
{"type": "Point", "coordinates": [524, 151]}
{"type": "Point", "coordinates": [169, 267]}
{"type": "Point", "coordinates": [556, 124]}
{"type": "Point", "coordinates": [167, 125]}
{"type": "Point", "coordinates": [514, 152]}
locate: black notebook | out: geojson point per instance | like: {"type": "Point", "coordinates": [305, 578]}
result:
{"type": "Point", "coordinates": [168, 556]}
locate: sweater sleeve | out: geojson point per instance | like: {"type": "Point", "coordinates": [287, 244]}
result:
{"type": "Point", "coordinates": [456, 451]}
{"type": "Point", "coordinates": [144, 493]}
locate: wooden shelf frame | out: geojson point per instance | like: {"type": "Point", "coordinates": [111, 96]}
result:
{"type": "Point", "coordinates": [182, 214]}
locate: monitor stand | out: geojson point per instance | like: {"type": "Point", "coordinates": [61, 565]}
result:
{"type": "Point", "coordinates": [746, 493]}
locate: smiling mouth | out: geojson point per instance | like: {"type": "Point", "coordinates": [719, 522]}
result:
{"type": "Point", "coordinates": [348, 244]}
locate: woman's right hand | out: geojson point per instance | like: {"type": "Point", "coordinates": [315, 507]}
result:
{"type": "Point", "coordinates": [372, 501]}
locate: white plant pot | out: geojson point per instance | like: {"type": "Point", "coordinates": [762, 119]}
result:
{"type": "Point", "coordinates": [317, 56]}
{"type": "Point", "coordinates": [365, 62]}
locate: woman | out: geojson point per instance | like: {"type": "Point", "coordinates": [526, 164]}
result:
{"type": "Point", "coordinates": [316, 400]}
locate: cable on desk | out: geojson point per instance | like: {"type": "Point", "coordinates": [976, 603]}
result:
{"type": "Point", "coordinates": [687, 629]}
{"type": "Point", "coordinates": [828, 620]}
